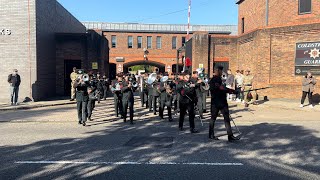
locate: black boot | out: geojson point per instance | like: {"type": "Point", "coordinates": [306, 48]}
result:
{"type": "Point", "coordinates": [232, 138]}
{"type": "Point", "coordinates": [193, 131]}
{"type": "Point", "coordinates": [213, 138]}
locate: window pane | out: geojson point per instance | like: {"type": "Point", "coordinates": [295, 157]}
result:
{"type": "Point", "coordinates": [130, 42]}
{"type": "Point", "coordinates": [183, 40]}
{"type": "Point", "coordinates": [304, 6]}
{"type": "Point", "coordinates": [158, 42]}
{"type": "Point", "coordinates": [174, 42]}
{"type": "Point", "coordinates": [149, 42]}
{"type": "Point", "coordinates": [242, 25]}
{"type": "Point", "coordinates": [114, 41]}
{"type": "Point", "coordinates": [139, 42]}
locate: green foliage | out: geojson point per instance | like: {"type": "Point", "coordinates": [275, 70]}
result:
{"type": "Point", "coordinates": [141, 67]}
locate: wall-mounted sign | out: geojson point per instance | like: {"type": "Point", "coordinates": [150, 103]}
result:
{"type": "Point", "coordinates": [307, 58]}
{"type": "Point", "coordinates": [119, 59]}
{"type": "Point", "coordinates": [94, 65]}
{"type": "Point", "coordinates": [5, 32]}
{"type": "Point", "coordinates": [200, 65]}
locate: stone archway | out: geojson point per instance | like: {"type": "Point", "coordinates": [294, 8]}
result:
{"type": "Point", "coordinates": [159, 65]}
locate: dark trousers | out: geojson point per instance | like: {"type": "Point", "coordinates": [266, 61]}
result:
{"type": "Point", "coordinates": [204, 101]}
{"type": "Point", "coordinates": [142, 98]}
{"type": "Point", "coordinates": [155, 100]}
{"type": "Point", "coordinates": [200, 106]}
{"type": "Point", "coordinates": [214, 114]}
{"type": "Point", "coordinates": [91, 105]}
{"type": "Point", "coordinates": [146, 99]}
{"type": "Point", "coordinates": [82, 111]}
{"type": "Point", "coordinates": [304, 95]}
{"type": "Point", "coordinates": [118, 105]}
{"type": "Point", "coordinates": [14, 91]}
{"type": "Point", "coordinates": [161, 109]}
{"type": "Point", "coordinates": [150, 102]}
{"type": "Point", "coordinates": [183, 108]}
{"type": "Point", "coordinates": [127, 104]}
{"type": "Point", "coordinates": [105, 92]}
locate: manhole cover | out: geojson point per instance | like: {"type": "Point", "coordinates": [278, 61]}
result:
{"type": "Point", "coordinates": [157, 142]}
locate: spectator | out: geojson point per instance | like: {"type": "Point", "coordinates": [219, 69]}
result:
{"type": "Point", "coordinates": [308, 84]}
{"type": "Point", "coordinates": [14, 80]}
{"type": "Point", "coordinates": [238, 86]}
{"type": "Point", "coordinates": [230, 83]}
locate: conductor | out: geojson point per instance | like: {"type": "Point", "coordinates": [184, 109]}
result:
{"type": "Point", "coordinates": [219, 103]}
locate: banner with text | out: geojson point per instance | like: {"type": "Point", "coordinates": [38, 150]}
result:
{"type": "Point", "coordinates": [307, 58]}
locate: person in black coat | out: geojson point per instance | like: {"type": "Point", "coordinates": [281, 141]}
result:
{"type": "Point", "coordinates": [186, 89]}
{"type": "Point", "coordinates": [166, 98]}
{"type": "Point", "coordinates": [82, 98]}
{"type": "Point", "coordinates": [127, 99]}
{"type": "Point", "coordinates": [155, 94]}
{"type": "Point", "coordinates": [116, 86]}
{"type": "Point", "coordinates": [14, 80]}
{"type": "Point", "coordinates": [219, 103]}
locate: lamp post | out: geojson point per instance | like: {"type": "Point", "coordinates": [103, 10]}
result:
{"type": "Point", "coordinates": [145, 56]}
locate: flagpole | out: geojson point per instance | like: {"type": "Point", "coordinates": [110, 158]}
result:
{"type": "Point", "coordinates": [189, 14]}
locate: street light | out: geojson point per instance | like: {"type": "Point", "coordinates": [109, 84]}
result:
{"type": "Point", "coordinates": [145, 56]}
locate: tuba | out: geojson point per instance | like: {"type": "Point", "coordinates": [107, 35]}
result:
{"type": "Point", "coordinates": [152, 78]}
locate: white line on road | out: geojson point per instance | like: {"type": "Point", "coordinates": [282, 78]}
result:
{"type": "Point", "coordinates": [129, 163]}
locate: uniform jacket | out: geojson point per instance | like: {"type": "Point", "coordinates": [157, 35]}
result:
{"type": "Point", "coordinates": [14, 80]}
{"type": "Point", "coordinates": [127, 93]}
{"type": "Point", "coordinates": [186, 92]}
{"type": "Point", "coordinates": [81, 91]}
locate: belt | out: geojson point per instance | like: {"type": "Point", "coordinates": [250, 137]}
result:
{"type": "Point", "coordinates": [248, 84]}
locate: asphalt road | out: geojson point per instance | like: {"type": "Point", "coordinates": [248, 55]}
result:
{"type": "Point", "coordinates": [47, 143]}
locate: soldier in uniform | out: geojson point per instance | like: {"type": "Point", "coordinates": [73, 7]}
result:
{"type": "Point", "coordinates": [145, 91]}
{"type": "Point", "coordinates": [105, 85]}
{"type": "Point", "coordinates": [73, 77]}
{"type": "Point", "coordinates": [82, 98]}
{"type": "Point", "coordinates": [116, 86]}
{"type": "Point", "coordinates": [166, 98]}
{"type": "Point", "coordinates": [128, 98]}
{"type": "Point", "coordinates": [219, 103]}
{"type": "Point", "coordinates": [199, 94]}
{"type": "Point", "coordinates": [155, 95]}
{"type": "Point", "coordinates": [186, 89]}
{"type": "Point", "coordinates": [247, 87]}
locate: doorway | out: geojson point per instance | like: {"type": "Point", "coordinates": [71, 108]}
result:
{"type": "Point", "coordinates": [68, 68]}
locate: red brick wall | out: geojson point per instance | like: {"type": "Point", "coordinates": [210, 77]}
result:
{"type": "Point", "coordinates": [270, 55]}
{"type": "Point", "coordinates": [166, 55]}
{"type": "Point", "coordinates": [281, 13]}
{"type": "Point", "coordinates": [253, 12]}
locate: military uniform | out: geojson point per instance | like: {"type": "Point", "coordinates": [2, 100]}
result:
{"type": "Point", "coordinates": [73, 77]}
{"type": "Point", "coordinates": [247, 86]}
{"type": "Point", "coordinates": [165, 101]}
{"type": "Point", "coordinates": [117, 97]}
{"type": "Point", "coordinates": [155, 95]}
{"type": "Point", "coordinates": [219, 103]}
{"type": "Point", "coordinates": [82, 98]}
{"type": "Point", "coordinates": [127, 100]}
{"type": "Point", "coordinates": [199, 95]}
{"type": "Point", "coordinates": [186, 101]}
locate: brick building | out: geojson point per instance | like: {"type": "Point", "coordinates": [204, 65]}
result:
{"type": "Point", "coordinates": [127, 41]}
{"type": "Point", "coordinates": [35, 38]}
{"type": "Point", "coordinates": [279, 41]}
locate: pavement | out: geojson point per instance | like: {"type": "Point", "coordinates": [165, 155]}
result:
{"type": "Point", "coordinates": [47, 143]}
{"type": "Point", "coordinates": [292, 104]}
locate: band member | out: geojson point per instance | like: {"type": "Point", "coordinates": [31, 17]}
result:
{"type": "Point", "coordinates": [141, 85]}
{"type": "Point", "coordinates": [91, 102]}
{"type": "Point", "coordinates": [145, 91]}
{"type": "Point", "coordinates": [219, 103]}
{"type": "Point", "coordinates": [82, 98]}
{"type": "Point", "coordinates": [155, 95]}
{"type": "Point", "coordinates": [73, 77]}
{"type": "Point", "coordinates": [105, 84]}
{"type": "Point", "coordinates": [166, 97]}
{"type": "Point", "coordinates": [199, 93]}
{"type": "Point", "coordinates": [308, 86]}
{"type": "Point", "coordinates": [116, 86]}
{"type": "Point", "coordinates": [150, 96]}
{"type": "Point", "coordinates": [128, 98]}
{"type": "Point", "coordinates": [247, 87]}
{"type": "Point", "coordinates": [99, 90]}
{"type": "Point", "coordinates": [186, 90]}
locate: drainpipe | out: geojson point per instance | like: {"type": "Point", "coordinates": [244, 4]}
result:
{"type": "Point", "coordinates": [267, 12]}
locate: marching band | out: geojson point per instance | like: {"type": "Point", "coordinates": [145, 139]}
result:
{"type": "Point", "coordinates": [180, 94]}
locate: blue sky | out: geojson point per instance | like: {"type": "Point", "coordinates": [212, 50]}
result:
{"type": "Point", "coordinates": [152, 11]}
